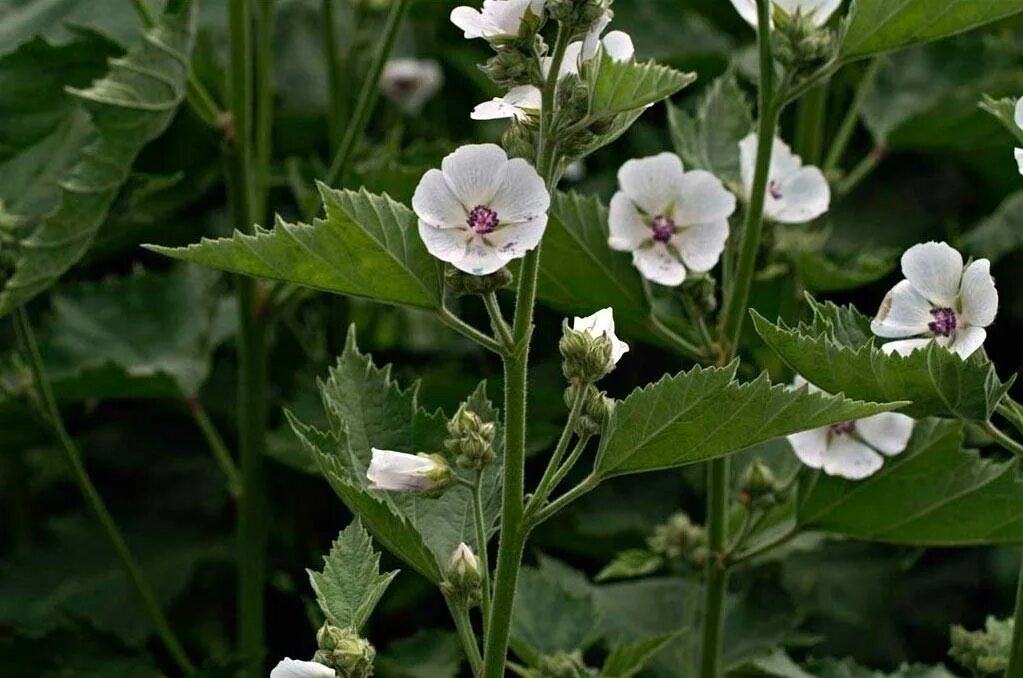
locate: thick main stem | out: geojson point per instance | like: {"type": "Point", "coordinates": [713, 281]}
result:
{"type": "Point", "coordinates": [93, 498]}
{"type": "Point", "coordinates": [1015, 668]}
{"type": "Point", "coordinates": [716, 570]}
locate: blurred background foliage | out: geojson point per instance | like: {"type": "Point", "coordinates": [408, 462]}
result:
{"type": "Point", "coordinates": [138, 350]}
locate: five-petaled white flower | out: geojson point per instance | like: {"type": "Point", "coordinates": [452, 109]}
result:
{"type": "Point", "coordinates": [522, 103]}
{"type": "Point", "coordinates": [411, 82]}
{"type": "Point", "coordinates": [818, 11]}
{"type": "Point", "coordinates": [497, 19]}
{"type": "Point", "coordinates": [1018, 118]}
{"type": "Point", "coordinates": [795, 194]}
{"type": "Point", "coordinates": [671, 220]}
{"type": "Point", "coordinates": [852, 449]}
{"type": "Point", "coordinates": [294, 668]}
{"type": "Point", "coordinates": [602, 324]}
{"type": "Point", "coordinates": [401, 472]}
{"type": "Point", "coordinates": [481, 210]}
{"type": "Point", "coordinates": [938, 301]}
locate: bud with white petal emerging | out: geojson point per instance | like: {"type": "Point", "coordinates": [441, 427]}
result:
{"type": "Point", "coordinates": [590, 348]}
{"type": "Point", "coordinates": [345, 651]}
{"type": "Point", "coordinates": [427, 474]}
{"type": "Point", "coordinates": [470, 439]}
{"type": "Point", "coordinates": [463, 578]}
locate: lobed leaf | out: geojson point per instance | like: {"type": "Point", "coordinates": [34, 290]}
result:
{"type": "Point", "coordinates": [705, 413]}
{"type": "Point", "coordinates": [709, 139]}
{"type": "Point", "coordinates": [623, 86]}
{"type": "Point", "coordinates": [535, 631]}
{"type": "Point", "coordinates": [367, 246]}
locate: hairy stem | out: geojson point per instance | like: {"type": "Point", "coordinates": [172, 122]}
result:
{"type": "Point", "coordinates": [92, 497]}
{"type": "Point", "coordinates": [546, 485]}
{"type": "Point", "coordinates": [479, 518]}
{"type": "Point", "coordinates": [716, 579]}
{"type": "Point", "coordinates": [466, 634]}
{"type": "Point", "coordinates": [497, 320]}
{"type": "Point", "coordinates": [221, 455]}
{"type": "Point", "coordinates": [1015, 667]}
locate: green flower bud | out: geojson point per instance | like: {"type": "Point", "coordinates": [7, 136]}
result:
{"type": "Point", "coordinates": [344, 651]}
{"type": "Point", "coordinates": [462, 283]}
{"type": "Point", "coordinates": [679, 537]}
{"type": "Point", "coordinates": [586, 358]}
{"type": "Point", "coordinates": [463, 578]}
{"type": "Point", "coordinates": [511, 67]}
{"type": "Point", "coordinates": [470, 439]}
{"type": "Point", "coordinates": [564, 665]}
{"type": "Point", "coordinates": [800, 45]}
{"type": "Point", "coordinates": [983, 652]}
{"type": "Point", "coordinates": [578, 17]}
{"type": "Point", "coordinates": [759, 487]}
{"type": "Point", "coordinates": [701, 292]}
{"type": "Point", "coordinates": [597, 408]}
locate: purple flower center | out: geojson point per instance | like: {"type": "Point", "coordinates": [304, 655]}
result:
{"type": "Point", "coordinates": [483, 220]}
{"type": "Point", "coordinates": [774, 190]}
{"type": "Point", "coordinates": [663, 228]}
{"type": "Point", "coordinates": [945, 322]}
{"type": "Point", "coordinates": [844, 428]}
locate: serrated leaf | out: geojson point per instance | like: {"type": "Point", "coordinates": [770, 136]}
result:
{"type": "Point", "coordinates": [933, 494]}
{"type": "Point", "coordinates": [623, 86]}
{"type": "Point", "coordinates": [628, 659]}
{"type": "Point", "coordinates": [367, 246]}
{"type": "Point", "coordinates": [535, 631]}
{"type": "Point", "coordinates": [126, 110]}
{"type": "Point", "coordinates": [630, 565]}
{"type": "Point", "coordinates": [705, 413]}
{"type": "Point", "coordinates": [1000, 234]}
{"type": "Point", "coordinates": [837, 353]}
{"type": "Point", "coordinates": [350, 585]}
{"type": "Point", "coordinates": [876, 26]}
{"type": "Point", "coordinates": [709, 140]}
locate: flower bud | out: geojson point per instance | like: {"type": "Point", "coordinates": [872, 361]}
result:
{"type": "Point", "coordinates": [463, 578]}
{"type": "Point", "coordinates": [343, 650]}
{"type": "Point", "coordinates": [579, 17]}
{"type": "Point", "coordinates": [427, 474]}
{"type": "Point", "coordinates": [564, 665]}
{"type": "Point", "coordinates": [759, 487]}
{"type": "Point", "coordinates": [511, 67]}
{"type": "Point", "coordinates": [462, 283]}
{"type": "Point", "coordinates": [590, 348]}
{"type": "Point", "coordinates": [470, 439]}
{"type": "Point", "coordinates": [800, 45]}
{"type": "Point", "coordinates": [679, 537]}
{"type": "Point", "coordinates": [519, 140]}
{"type": "Point", "coordinates": [701, 292]}
{"type": "Point", "coordinates": [596, 410]}
{"type": "Point", "coordinates": [983, 652]}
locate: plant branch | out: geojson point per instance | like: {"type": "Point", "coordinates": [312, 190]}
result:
{"type": "Point", "coordinates": [570, 463]}
{"type": "Point", "coordinates": [218, 448]}
{"type": "Point", "coordinates": [481, 545]}
{"type": "Point", "coordinates": [1004, 440]}
{"type": "Point", "coordinates": [497, 320]}
{"type": "Point", "coordinates": [862, 170]}
{"type": "Point", "coordinates": [810, 119]}
{"type": "Point", "coordinates": [546, 485]}
{"type": "Point", "coordinates": [466, 634]}
{"type": "Point", "coordinates": [852, 118]}
{"type": "Point", "coordinates": [470, 332]}
{"type": "Point", "coordinates": [264, 113]}
{"type": "Point", "coordinates": [335, 72]}
{"type": "Point", "coordinates": [92, 497]}
{"type": "Point", "coordinates": [1012, 412]}
{"type": "Point", "coordinates": [765, 548]}
{"type": "Point", "coordinates": [550, 510]}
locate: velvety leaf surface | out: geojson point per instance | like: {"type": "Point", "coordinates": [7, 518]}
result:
{"type": "Point", "coordinates": [705, 413]}
{"type": "Point", "coordinates": [536, 631]}
{"type": "Point", "coordinates": [709, 138]}
{"type": "Point", "coordinates": [128, 108]}
{"type": "Point", "coordinates": [883, 25]}
{"type": "Point", "coordinates": [837, 353]}
{"type": "Point", "coordinates": [367, 246]}
{"type": "Point", "coordinates": [933, 494]}
{"type": "Point", "coordinates": [427, 654]}
{"type": "Point", "coordinates": [350, 585]}
{"type": "Point", "coordinates": [622, 86]}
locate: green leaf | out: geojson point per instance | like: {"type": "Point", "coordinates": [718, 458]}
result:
{"type": "Point", "coordinates": [837, 353]}
{"type": "Point", "coordinates": [876, 26]}
{"type": "Point", "coordinates": [1004, 110]}
{"type": "Point", "coordinates": [580, 274]}
{"type": "Point", "coordinates": [933, 494]}
{"type": "Point", "coordinates": [628, 659]}
{"type": "Point", "coordinates": [367, 246]}
{"type": "Point", "coordinates": [126, 110]}
{"type": "Point", "coordinates": [367, 409]}
{"type": "Point", "coordinates": [624, 86]}
{"type": "Point", "coordinates": [823, 273]}
{"type": "Point", "coordinates": [350, 585]}
{"type": "Point", "coordinates": [427, 654]}
{"type": "Point", "coordinates": [847, 668]}
{"type": "Point", "coordinates": [535, 631]}
{"type": "Point", "coordinates": [705, 413]}
{"type": "Point", "coordinates": [631, 564]}
{"type": "Point", "coordinates": [709, 140]}
{"type": "Point", "coordinates": [1000, 234]}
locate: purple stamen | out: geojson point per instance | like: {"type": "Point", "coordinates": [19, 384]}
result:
{"type": "Point", "coordinates": [843, 429]}
{"type": "Point", "coordinates": [773, 189]}
{"type": "Point", "coordinates": [663, 227]}
{"type": "Point", "coordinates": [945, 322]}
{"type": "Point", "coordinates": [483, 220]}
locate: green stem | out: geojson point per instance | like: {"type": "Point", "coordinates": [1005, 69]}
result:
{"type": "Point", "coordinates": [852, 118]}
{"type": "Point", "coordinates": [570, 463]}
{"type": "Point", "coordinates": [470, 332]}
{"type": "Point", "coordinates": [765, 548]}
{"type": "Point", "coordinates": [749, 241]}
{"type": "Point", "coordinates": [716, 573]}
{"type": "Point", "coordinates": [810, 119]}
{"type": "Point", "coordinates": [1015, 667]}
{"type": "Point", "coordinates": [466, 634]}
{"type": "Point", "coordinates": [1012, 412]}
{"type": "Point", "coordinates": [676, 340]}
{"type": "Point", "coordinates": [218, 448]}
{"type": "Point", "coordinates": [481, 545]}
{"type": "Point", "coordinates": [546, 485]}
{"type": "Point", "coordinates": [860, 172]}
{"type": "Point", "coordinates": [1003, 440]}
{"type": "Point", "coordinates": [264, 113]}
{"type": "Point", "coordinates": [497, 319]}
{"type": "Point", "coordinates": [94, 500]}
{"type": "Point", "coordinates": [335, 73]}
{"type": "Point", "coordinates": [587, 485]}
{"type": "Point", "coordinates": [513, 529]}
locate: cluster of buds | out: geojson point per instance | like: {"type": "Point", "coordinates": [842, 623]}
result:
{"type": "Point", "coordinates": [563, 665]}
{"type": "Point", "coordinates": [590, 349]}
{"type": "Point", "coordinates": [345, 651]}
{"type": "Point", "coordinates": [579, 17]}
{"type": "Point", "coordinates": [983, 652]}
{"type": "Point", "coordinates": [801, 45]}
{"type": "Point", "coordinates": [700, 292]}
{"type": "Point", "coordinates": [463, 579]}
{"type": "Point", "coordinates": [680, 538]}
{"type": "Point", "coordinates": [597, 408]}
{"type": "Point", "coordinates": [462, 283]}
{"type": "Point", "coordinates": [470, 439]}
{"type": "Point", "coordinates": [759, 488]}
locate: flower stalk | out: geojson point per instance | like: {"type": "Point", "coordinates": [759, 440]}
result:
{"type": "Point", "coordinates": [1015, 668]}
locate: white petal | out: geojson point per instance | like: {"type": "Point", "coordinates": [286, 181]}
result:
{"type": "Point", "coordinates": [810, 446]}
{"type": "Point", "coordinates": [652, 183]}
{"type": "Point", "coordinates": [481, 258]}
{"type": "Point", "coordinates": [293, 668]}
{"type": "Point", "coordinates": [399, 472]}
{"type": "Point", "coordinates": [702, 198]}
{"type": "Point", "coordinates": [474, 172]}
{"type": "Point", "coordinates": [783, 162]}
{"type": "Point", "coordinates": [888, 432]}
{"type": "Point", "coordinates": [436, 204]}
{"type": "Point", "coordinates": [592, 39]}
{"type": "Point", "coordinates": [818, 10]}
{"type": "Point", "coordinates": [905, 346]}
{"type": "Point", "coordinates": [626, 225]}
{"type": "Point", "coordinates": [936, 270]}
{"type": "Point", "coordinates": [979, 297]}
{"type": "Point", "coordinates": [968, 340]}
{"type": "Point", "coordinates": [521, 195]}
{"type": "Point", "coordinates": [1018, 116]}
{"type": "Point", "coordinates": [519, 103]}
{"type": "Point", "coordinates": [848, 458]}
{"type": "Point", "coordinates": [1019, 159]}
{"type": "Point", "coordinates": [602, 323]}
{"type": "Point", "coordinates": [619, 46]}
{"type": "Point", "coordinates": [805, 195]}
{"type": "Point", "coordinates": [569, 63]}
{"type": "Point", "coordinates": [515, 240]}
{"type": "Point", "coordinates": [411, 82]}
{"type": "Point", "coordinates": [495, 109]}
{"type": "Point", "coordinates": [747, 9]}
{"type": "Point", "coordinates": [471, 22]}
{"type": "Point", "coordinates": [447, 244]}
{"type": "Point", "coordinates": [507, 15]}
{"type": "Point", "coordinates": [701, 245]}
{"type": "Point", "coordinates": [747, 152]}
{"type": "Point", "coordinates": [659, 265]}
{"type": "Point", "coordinates": [903, 313]}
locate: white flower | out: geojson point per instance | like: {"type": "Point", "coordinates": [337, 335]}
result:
{"type": "Point", "coordinates": [401, 472]}
{"type": "Point", "coordinates": [938, 301]}
{"type": "Point", "coordinates": [293, 668]}
{"type": "Point", "coordinates": [602, 324]}
{"type": "Point", "coordinates": [575, 172]}
{"type": "Point", "coordinates": [617, 44]}
{"type": "Point", "coordinates": [521, 103]}
{"type": "Point", "coordinates": [852, 449]}
{"type": "Point", "coordinates": [481, 210]}
{"type": "Point", "coordinates": [671, 220]}
{"type": "Point", "coordinates": [1018, 117]}
{"type": "Point", "coordinates": [818, 11]}
{"type": "Point", "coordinates": [795, 194]}
{"type": "Point", "coordinates": [411, 82]}
{"type": "Point", "coordinates": [464, 562]}
{"type": "Point", "coordinates": [498, 18]}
